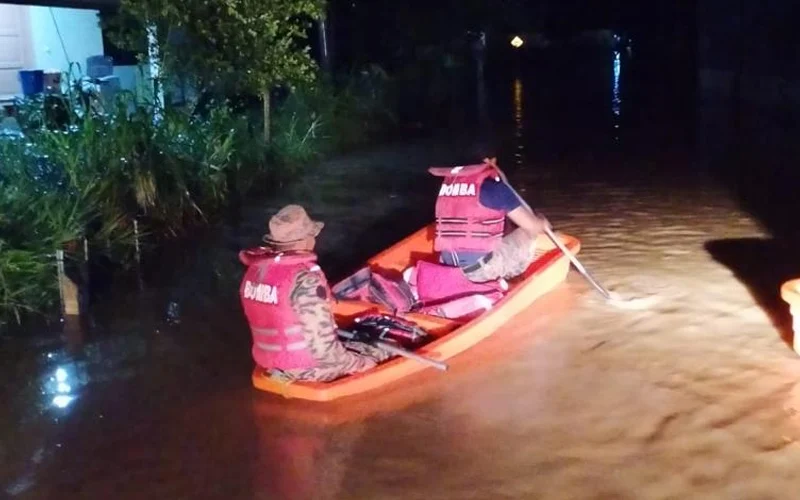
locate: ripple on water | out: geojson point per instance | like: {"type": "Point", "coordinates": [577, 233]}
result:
{"type": "Point", "coordinates": [696, 396]}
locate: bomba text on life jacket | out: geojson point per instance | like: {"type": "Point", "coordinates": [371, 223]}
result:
{"type": "Point", "coordinates": [457, 189]}
{"type": "Point", "coordinates": [261, 292]}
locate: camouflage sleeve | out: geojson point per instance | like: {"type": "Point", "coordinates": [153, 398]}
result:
{"type": "Point", "coordinates": [310, 302]}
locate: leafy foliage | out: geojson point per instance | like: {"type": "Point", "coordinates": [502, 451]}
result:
{"type": "Point", "coordinates": [99, 168]}
{"type": "Point", "coordinates": [233, 46]}
{"type": "Point", "coordinates": [86, 167]}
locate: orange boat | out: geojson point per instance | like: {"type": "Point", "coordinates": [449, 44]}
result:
{"type": "Point", "coordinates": [451, 336]}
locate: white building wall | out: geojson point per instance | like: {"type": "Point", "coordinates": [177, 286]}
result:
{"type": "Point", "coordinates": [62, 36]}
{"type": "Point", "coordinates": [15, 51]}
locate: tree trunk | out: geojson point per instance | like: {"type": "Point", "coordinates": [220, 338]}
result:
{"type": "Point", "coordinates": [154, 60]}
{"type": "Point", "coordinates": [266, 110]}
{"type": "Point", "coordinates": [324, 48]}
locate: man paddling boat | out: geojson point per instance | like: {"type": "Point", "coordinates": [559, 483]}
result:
{"type": "Point", "coordinates": [471, 212]}
{"type": "Point", "coordinates": [287, 301]}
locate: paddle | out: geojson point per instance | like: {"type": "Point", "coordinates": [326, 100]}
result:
{"type": "Point", "coordinates": [609, 296]}
{"type": "Point", "coordinates": [393, 349]}
{"type": "Point", "coordinates": [575, 262]}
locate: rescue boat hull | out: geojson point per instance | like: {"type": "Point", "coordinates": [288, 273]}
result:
{"type": "Point", "coordinates": [451, 336]}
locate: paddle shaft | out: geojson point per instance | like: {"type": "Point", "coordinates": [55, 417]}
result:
{"type": "Point", "coordinates": [575, 262]}
{"type": "Point", "coordinates": [549, 232]}
{"type": "Point", "coordinates": [399, 351]}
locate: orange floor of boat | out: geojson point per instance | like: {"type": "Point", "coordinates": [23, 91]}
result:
{"type": "Point", "coordinates": [452, 337]}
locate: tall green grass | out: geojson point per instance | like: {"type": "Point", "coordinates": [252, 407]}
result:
{"type": "Point", "coordinates": [86, 168]}
{"type": "Point", "coordinates": [90, 169]}
{"type": "Point", "coordinates": [332, 116]}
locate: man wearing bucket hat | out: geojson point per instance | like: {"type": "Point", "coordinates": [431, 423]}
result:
{"type": "Point", "coordinates": [286, 300]}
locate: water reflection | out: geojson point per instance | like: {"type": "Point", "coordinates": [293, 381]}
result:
{"type": "Point", "coordinates": [58, 388]}
{"type": "Point", "coordinates": [62, 401]}
{"type": "Point", "coordinates": [616, 95]}
{"type": "Point", "coordinates": [518, 121]}
{"type": "Point", "coordinates": [297, 459]}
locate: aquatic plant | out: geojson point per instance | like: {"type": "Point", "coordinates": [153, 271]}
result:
{"type": "Point", "coordinates": [86, 167]}
{"type": "Point", "coordinates": [99, 167]}
{"type": "Point", "coordinates": [27, 282]}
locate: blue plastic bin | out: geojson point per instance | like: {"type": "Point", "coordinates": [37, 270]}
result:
{"type": "Point", "coordinates": [32, 81]}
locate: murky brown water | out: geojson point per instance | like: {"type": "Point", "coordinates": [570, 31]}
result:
{"type": "Point", "coordinates": [695, 397]}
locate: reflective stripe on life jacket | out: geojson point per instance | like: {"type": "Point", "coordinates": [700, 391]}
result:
{"type": "Point", "coordinates": [462, 223]}
{"type": "Point", "coordinates": [278, 337]}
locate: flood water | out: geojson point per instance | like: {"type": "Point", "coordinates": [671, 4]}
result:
{"type": "Point", "coordinates": [695, 396]}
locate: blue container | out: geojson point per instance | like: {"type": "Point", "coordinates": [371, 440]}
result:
{"type": "Point", "coordinates": [32, 82]}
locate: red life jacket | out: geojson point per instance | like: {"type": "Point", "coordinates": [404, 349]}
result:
{"type": "Point", "coordinates": [278, 340]}
{"type": "Point", "coordinates": [462, 223]}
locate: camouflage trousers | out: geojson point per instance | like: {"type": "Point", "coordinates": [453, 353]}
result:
{"type": "Point", "coordinates": [516, 251]}
{"type": "Point", "coordinates": [357, 357]}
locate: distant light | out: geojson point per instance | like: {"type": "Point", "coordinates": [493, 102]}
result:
{"type": "Point", "coordinates": [616, 99]}
{"type": "Point", "coordinates": [61, 374]}
{"type": "Point", "coordinates": [62, 401]}
{"type": "Point", "coordinates": [516, 42]}
{"type": "Point", "coordinates": [63, 387]}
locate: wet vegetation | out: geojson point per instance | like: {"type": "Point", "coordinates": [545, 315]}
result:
{"type": "Point", "coordinates": [112, 174]}
{"type": "Point", "coordinates": [83, 169]}
{"type": "Point", "coordinates": [87, 171]}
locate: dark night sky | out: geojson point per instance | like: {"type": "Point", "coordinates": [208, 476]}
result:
{"type": "Point", "coordinates": [550, 15]}
{"type": "Point", "coordinates": [380, 27]}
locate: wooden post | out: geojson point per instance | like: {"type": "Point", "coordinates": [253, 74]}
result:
{"type": "Point", "coordinates": [266, 110]}
{"type": "Point", "coordinates": [85, 276]}
{"type": "Point", "coordinates": [74, 333]}
{"type": "Point", "coordinates": [137, 254]}
{"type": "Point", "coordinates": [70, 293]}
{"type": "Point", "coordinates": [138, 250]}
